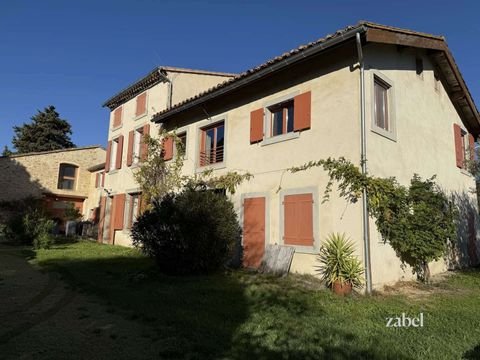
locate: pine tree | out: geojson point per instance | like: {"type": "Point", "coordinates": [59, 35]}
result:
{"type": "Point", "coordinates": [47, 131]}
{"type": "Point", "coordinates": [6, 151]}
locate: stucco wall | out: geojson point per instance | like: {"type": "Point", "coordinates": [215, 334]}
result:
{"type": "Point", "coordinates": [34, 174]}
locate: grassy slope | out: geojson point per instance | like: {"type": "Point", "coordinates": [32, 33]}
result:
{"type": "Point", "coordinates": [239, 315]}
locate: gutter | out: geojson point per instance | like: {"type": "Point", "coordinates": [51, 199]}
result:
{"type": "Point", "coordinates": [266, 71]}
{"type": "Point", "coordinates": [363, 161]}
{"type": "Point", "coordinates": [170, 87]}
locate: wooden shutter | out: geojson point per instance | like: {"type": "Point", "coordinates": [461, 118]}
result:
{"type": "Point", "coordinates": [130, 148]}
{"type": "Point", "coordinates": [103, 204]}
{"type": "Point", "coordinates": [103, 178]}
{"type": "Point", "coordinates": [119, 211]}
{"type": "Point", "coordinates": [97, 180]}
{"type": "Point", "coordinates": [471, 143]}
{"type": "Point", "coordinates": [168, 148]}
{"type": "Point", "coordinates": [457, 132]}
{"type": "Point", "coordinates": [143, 146]}
{"type": "Point", "coordinates": [118, 160]}
{"type": "Point", "coordinates": [302, 105]}
{"type": "Point", "coordinates": [256, 126]}
{"type": "Point", "coordinates": [117, 117]}
{"type": "Point", "coordinates": [141, 104]}
{"type": "Point", "coordinates": [107, 160]}
{"type": "Point", "coordinates": [298, 220]}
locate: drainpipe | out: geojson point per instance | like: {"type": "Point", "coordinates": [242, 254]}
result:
{"type": "Point", "coordinates": [170, 88]}
{"type": "Point", "coordinates": [363, 157]}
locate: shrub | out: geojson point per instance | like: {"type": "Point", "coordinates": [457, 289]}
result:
{"type": "Point", "coordinates": [188, 233]}
{"type": "Point", "coordinates": [31, 228]}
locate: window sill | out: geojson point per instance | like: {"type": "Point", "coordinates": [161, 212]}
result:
{"type": "Point", "coordinates": [280, 138]}
{"type": "Point", "coordinates": [140, 116]}
{"type": "Point", "coordinates": [466, 173]}
{"type": "Point", "coordinates": [116, 128]}
{"type": "Point", "coordinates": [386, 134]}
{"type": "Point", "coordinates": [112, 172]}
{"type": "Point", "coordinates": [303, 249]}
{"type": "Point", "coordinates": [216, 166]}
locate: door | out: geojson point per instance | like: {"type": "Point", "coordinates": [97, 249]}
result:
{"type": "Point", "coordinates": [253, 231]}
{"type": "Point", "coordinates": [106, 222]}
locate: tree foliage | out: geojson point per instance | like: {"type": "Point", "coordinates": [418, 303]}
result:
{"type": "Point", "coordinates": [418, 221]}
{"type": "Point", "coordinates": [47, 131]}
{"type": "Point", "coordinates": [6, 151]}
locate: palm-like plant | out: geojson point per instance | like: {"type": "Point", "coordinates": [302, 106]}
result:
{"type": "Point", "coordinates": [338, 262]}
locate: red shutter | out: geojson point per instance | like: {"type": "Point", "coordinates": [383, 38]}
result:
{"type": "Point", "coordinates": [168, 148]}
{"type": "Point", "coordinates": [107, 160]}
{"type": "Point", "coordinates": [103, 178]}
{"type": "Point", "coordinates": [103, 203]}
{"type": "Point", "coordinates": [118, 162]}
{"type": "Point", "coordinates": [143, 146]}
{"type": "Point", "coordinates": [298, 218]}
{"type": "Point", "coordinates": [130, 148]}
{"type": "Point", "coordinates": [302, 105]}
{"type": "Point", "coordinates": [471, 142]}
{"type": "Point", "coordinates": [117, 117]}
{"type": "Point", "coordinates": [256, 126]}
{"type": "Point", "coordinates": [119, 210]}
{"type": "Point", "coordinates": [457, 132]}
{"type": "Point", "coordinates": [141, 104]}
{"type": "Point", "coordinates": [97, 180]}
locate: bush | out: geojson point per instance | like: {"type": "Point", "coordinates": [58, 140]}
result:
{"type": "Point", "coordinates": [189, 233]}
{"type": "Point", "coordinates": [31, 228]}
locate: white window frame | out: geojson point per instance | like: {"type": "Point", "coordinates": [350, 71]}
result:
{"type": "Point", "coordinates": [207, 123]}
{"type": "Point", "coordinates": [392, 133]}
{"type": "Point", "coordinates": [137, 145]}
{"type": "Point", "coordinates": [129, 197]}
{"type": "Point", "coordinates": [113, 153]}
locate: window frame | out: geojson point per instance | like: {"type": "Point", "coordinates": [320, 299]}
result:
{"type": "Point", "coordinates": [113, 154]}
{"type": "Point", "coordinates": [137, 117]}
{"type": "Point", "coordinates": [61, 177]}
{"type": "Point", "coordinates": [315, 214]}
{"type": "Point", "coordinates": [129, 207]}
{"type": "Point", "coordinates": [179, 134]}
{"type": "Point", "coordinates": [466, 150]}
{"type": "Point", "coordinates": [201, 127]}
{"type": "Point", "coordinates": [383, 80]}
{"type": "Point", "coordinates": [120, 108]}
{"type": "Point", "coordinates": [136, 157]}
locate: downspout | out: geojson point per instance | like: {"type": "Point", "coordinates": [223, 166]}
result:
{"type": "Point", "coordinates": [363, 157]}
{"type": "Point", "coordinates": [170, 88]}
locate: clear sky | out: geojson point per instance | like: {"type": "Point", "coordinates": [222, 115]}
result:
{"type": "Point", "coordinates": [76, 54]}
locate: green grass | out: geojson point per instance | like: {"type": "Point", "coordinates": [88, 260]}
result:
{"type": "Point", "coordinates": [239, 315]}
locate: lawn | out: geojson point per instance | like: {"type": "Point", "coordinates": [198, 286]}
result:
{"type": "Point", "coordinates": [240, 315]}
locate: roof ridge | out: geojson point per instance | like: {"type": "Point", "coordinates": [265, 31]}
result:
{"type": "Point", "coordinates": [53, 151]}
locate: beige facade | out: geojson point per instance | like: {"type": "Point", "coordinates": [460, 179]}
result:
{"type": "Point", "coordinates": [173, 86]}
{"type": "Point", "coordinates": [420, 139]}
{"type": "Point", "coordinates": [39, 175]}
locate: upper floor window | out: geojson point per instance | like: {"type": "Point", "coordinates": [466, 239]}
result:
{"type": "Point", "coordinates": [137, 145]}
{"type": "Point", "coordinates": [281, 117]}
{"type": "Point", "coordinates": [113, 154]}
{"type": "Point", "coordinates": [212, 144]}
{"type": "Point", "coordinates": [383, 115]}
{"type": "Point", "coordinates": [464, 147]}
{"type": "Point", "coordinates": [67, 176]}
{"type": "Point", "coordinates": [141, 105]}
{"type": "Point", "coordinates": [99, 179]}
{"type": "Point", "coordinates": [117, 117]}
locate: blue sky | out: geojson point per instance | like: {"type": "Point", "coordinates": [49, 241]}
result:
{"type": "Point", "coordinates": [76, 54]}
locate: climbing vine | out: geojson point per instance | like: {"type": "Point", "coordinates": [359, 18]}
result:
{"type": "Point", "coordinates": [418, 221]}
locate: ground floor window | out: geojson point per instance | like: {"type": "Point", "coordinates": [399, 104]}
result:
{"type": "Point", "coordinates": [298, 226]}
{"type": "Point", "coordinates": [132, 209]}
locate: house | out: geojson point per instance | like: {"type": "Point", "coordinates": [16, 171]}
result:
{"type": "Point", "coordinates": [309, 104]}
{"type": "Point", "coordinates": [61, 178]}
{"type": "Point", "coordinates": [130, 119]}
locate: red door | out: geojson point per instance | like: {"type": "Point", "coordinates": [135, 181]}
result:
{"type": "Point", "coordinates": [253, 231]}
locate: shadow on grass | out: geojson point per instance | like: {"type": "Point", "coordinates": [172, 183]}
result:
{"type": "Point", "coordinates": [472, 354]}
{"type": "Point", "coordinates": [231, 315]}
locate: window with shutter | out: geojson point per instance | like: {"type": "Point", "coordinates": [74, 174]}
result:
{"type": "Point", "coordinates": [298, 229]}
{"type": "Point", "coordinates": [141, 108]}
{"type": "Point", "coordinates": [117, 117]}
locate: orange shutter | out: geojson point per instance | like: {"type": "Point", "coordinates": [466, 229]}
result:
{"type": "Point", "coordinates": [103, 178]}
{"type": "Point", "coordinates": [457, 132]}
{"type": "Point", "coordinates": [471, 142]}
{"type": "Point", "coordinates": [118, 162]}
{"type": "Point", "coordinates": [119, 210]}
{"type": "Point", "coordinates": [302, 105]}
{"type": "Point", "coordinates": [256, 126]}
{"type": "Point", "coordinates": [143, 146]}
{"type": "Point", "coordinates": [107, 160]}
{"type": "Point", "coordinates": [97, 180]}
{"type": "Point", "coordinates": [298, 218]}
{"type": "Point", "coordinates": [130, 148]}
{"type": "Point", "coordinates": [141, 104]}
{"type": "Point", "coordinates": [103, 203]}
{"type": "Point", "coordinates": [117, 117]}
{"type": "Point", "coordinates": [168, 148]}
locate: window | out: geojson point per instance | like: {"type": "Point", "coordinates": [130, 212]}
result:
{"type": "Point", "coordinates": [132, 209]}
{"type": "Point", "coordinates": [67, 176]}
{"type": "Point", "coordinates": [99, 178]}
{"type": "Point", "coordinates": [281, 118]}
{"type": "Point", "coordinates": [212, 144]}
{"type": "Point", "coordinates": [183, 144]}
{"type": "Point", "coordinates": [117, 117]}
{"type": "Point", "coordinates": [137, 145]}
{"type": "Point", "coordinates": [113, 154]}
{"type": "Point", "coordinates": [381, 114]}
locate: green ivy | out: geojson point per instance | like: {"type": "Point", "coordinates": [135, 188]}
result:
{"type": "Point", "coordinates": [418, 221]}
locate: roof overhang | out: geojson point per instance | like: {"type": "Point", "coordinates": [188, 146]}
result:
{"type": "Point", "coordinates": [371, 33]}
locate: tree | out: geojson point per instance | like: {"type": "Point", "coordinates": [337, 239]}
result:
{"type": "Point", "coordinates": [47, 131]}
{"type": "Point", "coordinates": [6, 151]}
